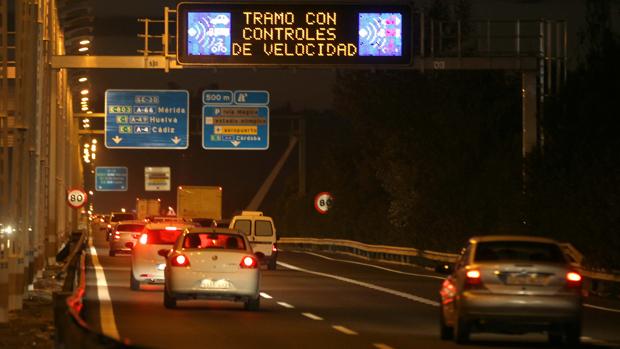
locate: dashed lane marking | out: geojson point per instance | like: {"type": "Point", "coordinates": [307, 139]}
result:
{"type": "Point", "coordinates": [106, 313]}
{"type": "Point", "coordinates": [265, 295]}
{"type": "Point", "coordinates": [375, 266]}
{"type": "Point", "coordinates": [286, 305]}
{"type": "Point", "coordinates": [364, 284]}
{"type": "Point", "coordinates": [344, 330]}
{"type": "Point", "coordinates": [312, 316]}
{"type": "Point", "coordinates": [382, 346]}
{"type": "Point", "coordinates": [602, 308]}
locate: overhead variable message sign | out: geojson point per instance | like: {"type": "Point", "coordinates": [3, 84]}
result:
{"type": "Point", "coordinates": [240, 121]}
{"type": "Point", "coordinates": [146, 119]}
{"type": "Point", "coordinates": [111, 178]}
{"type": "Point", "coordinates": [293, 34]}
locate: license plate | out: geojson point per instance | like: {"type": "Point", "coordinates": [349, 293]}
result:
{"type": "Point", "coordinates": [220, 284]}
{"type": "Point", "coordinates": [526, 279]}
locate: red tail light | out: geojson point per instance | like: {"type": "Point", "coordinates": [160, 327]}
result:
{"type": "Point", "coordinates": [180, 260]}
{"type": "Point", "coordinates": [472, 278]}
{"type": "Point", "coordinates": [117, 235]}
{"type": "Point", "coordinates": [248, 262]}
{"type": "Point", "coordinates": [274, 248]}
{"type": "Point", "coordinates": [573, 279]}
{"type": "Point", "coordinates": [143, 239]}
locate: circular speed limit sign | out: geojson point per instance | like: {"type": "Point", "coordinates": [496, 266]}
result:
{"type": "Point", "coordinates": [323, 202]}
{"type": "Point", "coordinates": [76, 198]}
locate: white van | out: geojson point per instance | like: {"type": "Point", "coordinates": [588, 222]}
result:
{"type": "Point", "coordinates": [261, 233]}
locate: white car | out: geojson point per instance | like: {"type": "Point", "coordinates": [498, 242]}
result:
{"type": "Point", "coordinates": [126, 231]}
{"type": "Point", "coordinates": [211, 263]}
{"type": "Point", "coordinates": [146, 265]}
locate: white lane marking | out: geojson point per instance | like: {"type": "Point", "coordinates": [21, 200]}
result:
{"type": "Point", "coordinates": [375, 266]}
{"type": "Point", "coordinates": [382, 346]}
{"type": "Point", "coordinates": [602, 308]}
{"type": "Point", "coordinates": [312, 316]}
{"type": "Point", "coordinates": [266, 296]}
{"type": "Point", "coordinates": [106, 313]}
{"type": "Point", "coordinates": [365, 284]}
{"type": "Point", "coordinates": [286, 305]}
{"type": "Point", "coordinates": [344, 330]}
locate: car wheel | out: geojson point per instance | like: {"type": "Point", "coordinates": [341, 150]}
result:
{"type": "Point", "coordinates": [252, 304]}
{"type": "Point", "coordinates": [461, 331]}
{"type": "Point", "coordinates": [112, 253]}
{"type": "Point", "coordinates": [445, 332]}
{"type": "Point", "coordinates": [272, 264]}
{"type": "Point", "coordinates": [133, 283]}
{"type": "Point", "coordinates": [169, 301]}
{"type": "Point", "coordinates": [572, 334]}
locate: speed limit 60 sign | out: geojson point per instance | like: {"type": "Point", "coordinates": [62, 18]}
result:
{"type": "Point", "coordinates": [76, 198]}
{"type": "Point", "coordinates": [323, 202]}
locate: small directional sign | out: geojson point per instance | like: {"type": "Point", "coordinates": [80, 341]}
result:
{"type": "Point", "coordinates": [240, 125]}
{"type": "Point", "coordinates": [111, 178]}
{"type": "Point", "coordinates": [146, 119]}
{"type": "Point", "coordinates": [252, 97]}
{"type": "Point", "coordinates": [217, 97]}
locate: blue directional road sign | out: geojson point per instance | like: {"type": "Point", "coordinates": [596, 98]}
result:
{"type": "Point", "coordinates": [251, 97]}
{"type": "Point", "coordinates": [111, 178]}
{"type": "Point", "coordinates": [146, 119]}
{"type": "Point", "coordinates": [235, 127]}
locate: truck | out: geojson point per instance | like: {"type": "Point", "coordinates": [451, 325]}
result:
{"type": "Point", "coordinates": [199, 202]}
{"type": "Point", "coordinates": [147, 207]}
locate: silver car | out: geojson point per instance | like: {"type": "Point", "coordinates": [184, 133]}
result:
{"type": "Point", "coordinates": [125, 231]}
{"type": "Point", "coordinates": [212, 263]}
{"type": "Point", "coordinates": [146, 265]}
{"type": "Point", "coordinates": [514, 285]}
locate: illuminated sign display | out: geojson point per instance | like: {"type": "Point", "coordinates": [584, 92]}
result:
{"type": "Point", "coordinates": [293, 34]}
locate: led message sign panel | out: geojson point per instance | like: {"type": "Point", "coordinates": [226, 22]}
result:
{"type": "Point", "coordinates": [293, 34]}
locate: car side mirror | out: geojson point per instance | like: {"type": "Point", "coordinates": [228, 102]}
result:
{"type": "Point", "coordinates": [129, 245]}
{"type": "Point", "coordinates": [444, 268]}
{"type": "Point", "coordinates": [163, 252]}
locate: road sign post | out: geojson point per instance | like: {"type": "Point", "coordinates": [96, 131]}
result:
{"type": "Point", "coordinates": [239, 123]}
{"type": "Point", "coordinates": [111, 178]}
{"type": "Point", "coordinates": [146, 119]}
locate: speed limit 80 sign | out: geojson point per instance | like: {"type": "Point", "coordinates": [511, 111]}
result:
{"type": "Point", "coordinates": [323, 202]}
{"type": "Point", "coordinates": [76, 198]}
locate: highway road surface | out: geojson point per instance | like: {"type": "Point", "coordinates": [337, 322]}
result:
{"type": "Point", "coordinates": [313, 300]}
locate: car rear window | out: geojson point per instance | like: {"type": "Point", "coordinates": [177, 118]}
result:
{"type": "Point", "coordinates": [520, 251]}
{"type": "Point", "coordinates": [122, 217]}
{"type": "Point", "coordinates": [263, 228]}
{"type": "Point", "coordinates": [162, 236]}
{"type": "Point", "coordinates": [130, 227]}
{"type": "Point", "coordinates": [214, 241]}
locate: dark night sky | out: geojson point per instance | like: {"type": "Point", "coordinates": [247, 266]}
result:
{"type": "Point", "coordinates": [239, 172]}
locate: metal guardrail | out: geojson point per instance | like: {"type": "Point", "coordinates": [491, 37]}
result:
{"type": "Point", "coordinates": [71, 330]}
{"type": "Point", "coordinates": [429, 259]}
